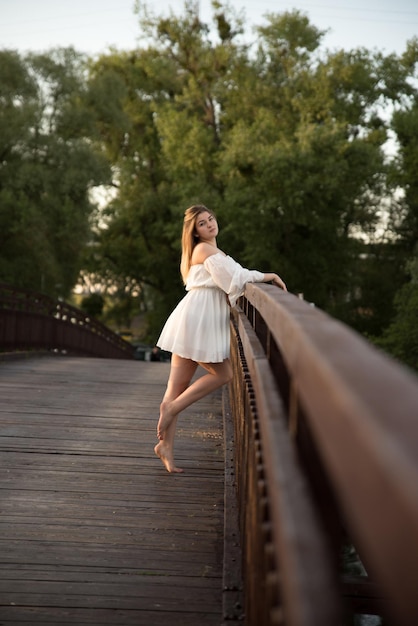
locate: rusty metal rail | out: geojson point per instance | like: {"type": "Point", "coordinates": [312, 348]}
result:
{"type": "Point", "coordinates": [32, 321]}
{"type": "Point", "coordinates": [326, 435]}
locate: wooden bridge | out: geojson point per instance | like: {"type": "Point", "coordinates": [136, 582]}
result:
{"type": "Point", "coordinates": [298, 505]}
{"type": "Point", "coordinates": [93, 529]}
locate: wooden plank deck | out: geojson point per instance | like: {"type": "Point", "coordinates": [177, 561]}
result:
{"type": "Point", "coordinates": [93, 529]}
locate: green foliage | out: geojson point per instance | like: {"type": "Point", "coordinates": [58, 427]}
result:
{"type": "Point", "coordinates": [93, 304]}
{"type": "Point", "coordinates": [283, 140]}
{"type": "Point", "coordinates": [48, 165]}
{"type": "Point", "coordinates": [401, 336]}
{"type": "Point", "coordinates": [405, 123]}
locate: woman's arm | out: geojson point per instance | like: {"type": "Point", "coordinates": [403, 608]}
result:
{"type": "Point", "coordinates": [231, 277]}
{"type": "Point", "coordinates": [204, 250]}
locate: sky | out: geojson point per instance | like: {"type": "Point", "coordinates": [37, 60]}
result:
{"type": "Point", "coordinates": [93, 26]}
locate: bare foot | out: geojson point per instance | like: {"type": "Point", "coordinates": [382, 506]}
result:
{"type": "Point", "coordinates": [166, 457]}
{"type": "Point", "coordinates": [165, 420]}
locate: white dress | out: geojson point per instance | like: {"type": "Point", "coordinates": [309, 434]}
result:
{"type": "Point", "coordinates": [198, 328]}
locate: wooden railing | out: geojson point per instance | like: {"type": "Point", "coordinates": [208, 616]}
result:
{"type": "Point", "coordinates": [326, 462]}
{"type": "Point", "coordinates": [32, 321]}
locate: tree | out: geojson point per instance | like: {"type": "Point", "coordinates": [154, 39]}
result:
{"type": "Point", "coordinates": [164, 160]}
{"type": "Point", "coordinates": [284, 140]}
{"type": "Point", "coordinates": [93, 304]}
{"type": "Point", "coordinates": [398, 333]}
{"type": "Point", "coordinates": [303, 159]}
{"type": "Point", "coordinates": [49, 165]}
{"type": "Point", "coordinates": [405, 167]}
{"type": "Point", "coordinates": [401, 336]}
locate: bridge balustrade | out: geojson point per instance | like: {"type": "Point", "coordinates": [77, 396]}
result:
{"type": "Point", "coordinates": [33, 321]}
{"type": "Point", "coordinates": [326, 463]}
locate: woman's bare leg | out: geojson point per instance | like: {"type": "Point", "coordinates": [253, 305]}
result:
{"type": "Point", "coordinates": [181, 373]}
{"type": "Point", "coordinates": [218, 374]}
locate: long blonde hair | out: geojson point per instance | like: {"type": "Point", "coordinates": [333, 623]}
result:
{"type": "Point", "coordinates": [189, 238]}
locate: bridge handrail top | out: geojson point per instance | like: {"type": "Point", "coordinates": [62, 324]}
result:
{"type": "Point", "coordinates": [320, 352]}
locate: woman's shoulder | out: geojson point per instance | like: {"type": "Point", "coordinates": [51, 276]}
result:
{"type": "Point", "coordinates": [202, 251]}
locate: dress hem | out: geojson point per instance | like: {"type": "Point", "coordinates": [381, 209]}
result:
{"type": "Point", "coordinates": [191, 358]}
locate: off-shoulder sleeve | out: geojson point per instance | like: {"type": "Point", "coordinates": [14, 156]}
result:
{"type": "Point", "coordinates": [230, 276]}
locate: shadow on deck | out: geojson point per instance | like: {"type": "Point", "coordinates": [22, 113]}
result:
{"type": "Point", "coordinates": [94, 530]}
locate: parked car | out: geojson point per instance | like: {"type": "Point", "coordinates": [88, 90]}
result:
{"type": "Point", "coordinates": [142, 352]}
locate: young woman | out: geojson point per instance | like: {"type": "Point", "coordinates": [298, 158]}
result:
{"type": "Point", "coordinates": [197, 331]}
